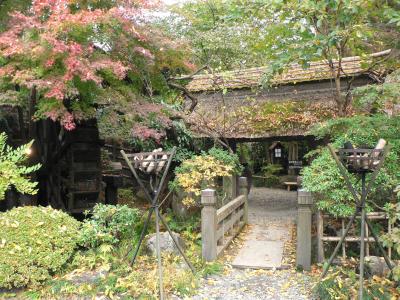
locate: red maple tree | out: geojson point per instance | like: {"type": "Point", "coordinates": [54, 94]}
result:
{"type": "Point", "coordinates": [67, 50]}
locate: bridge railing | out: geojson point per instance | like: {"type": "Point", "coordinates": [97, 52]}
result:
{"type": "Point", "coordinates": [220, 226]}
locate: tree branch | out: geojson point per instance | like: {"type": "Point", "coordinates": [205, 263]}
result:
{"type": "Point", "coordinates": [190, 76]}
{"type": "Point", "coordinates": [186, 93]}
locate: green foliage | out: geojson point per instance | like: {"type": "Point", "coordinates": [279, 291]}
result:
{"type": "Point", "coordinates": [187, 226]}
{"type": "Point", "coordinates": [105, 271]}
{"type": "Point", "coordinates": [330, 30]}
{"type": "Point", "coordinates": [12, 169]}
{"type": "Point", "coordinates": [125, 196]}
{"type": "Point", "coordinates": [35, 242]}
{"type": "Point", "coordinates": [182, 139]}
{"type": "Point", "coordinates": [392, 239]}
{"type": "Point", "coordinates": [233, 34]}
{"type": "Point", "coordinates": [378, 98]}
{"type": "Point", "coordinates": [323, 178]}
{"type": "Point", "coordinates": [221, 32]}
{"type": "Point", "coordinates": [270, 171]}
{"type": "Point", "coordinates": [108, 224]}
{"type": "Point", "coordinates": [225, 157]}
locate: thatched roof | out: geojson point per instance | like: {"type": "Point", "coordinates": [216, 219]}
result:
{"type": "Point", "coordinates": [247, 78]}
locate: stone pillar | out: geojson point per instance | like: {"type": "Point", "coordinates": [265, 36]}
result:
{"type": "Point", "coordinates": [243, 191]}
{"type": "Point", "coordinates": [208, 225]}
{"type": "Point", "coordinates": [304, 219]}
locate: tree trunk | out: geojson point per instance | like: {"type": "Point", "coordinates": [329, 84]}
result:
{"type": "Point", "coordinates": [338, 86]}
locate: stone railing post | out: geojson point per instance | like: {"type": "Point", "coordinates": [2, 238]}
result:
{"type": "Point", "coordinates": [304, 219]}
{"type": "Point", "coordinates": [208, 225]}
{"type": "Point", "coordinates": [243, 191]}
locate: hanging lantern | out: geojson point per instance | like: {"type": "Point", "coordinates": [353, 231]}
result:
{"type": "Point", "coordinates": [278, 152]}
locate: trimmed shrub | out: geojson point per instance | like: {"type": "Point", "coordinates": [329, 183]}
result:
{"type": "Point", "coordinates": [109, 224]}
{"type": "Point", "coordinates": [35, 242]}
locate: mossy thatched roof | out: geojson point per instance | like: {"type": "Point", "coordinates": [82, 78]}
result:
{"type": "Point", "coordinates": [251, 77]}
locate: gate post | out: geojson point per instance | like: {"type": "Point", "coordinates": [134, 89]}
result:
{"type": "Point", "coordinates": [243, 191]}
{"type": "Point", "coordinates": [208, 225]}
{"type": "Point", "coordinates": [304, 219]}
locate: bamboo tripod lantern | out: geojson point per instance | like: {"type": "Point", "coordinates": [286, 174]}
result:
{"type": "Point", "coordinates": [359, 162]}
{"type": "Point", "coordinates": [154, 164]}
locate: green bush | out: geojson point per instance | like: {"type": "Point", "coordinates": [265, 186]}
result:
{"type": "Point", "coordinates": [323, 177]}
{"type": "Point", "coordinates": [35, 242]}
{"type": "Point", "coordinates": [108, 224]}
{"type": "Point", "coordinates": [270, 171]}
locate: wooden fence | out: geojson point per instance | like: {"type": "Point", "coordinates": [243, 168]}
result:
{"type": "Point", "coordinates": [304, 228]}
{"type": "Point", "coordinates": [321, 237]}
{"type": "Point", "coordinates": [220, 226]}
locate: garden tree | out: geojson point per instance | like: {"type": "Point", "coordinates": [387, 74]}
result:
{"type": "Point", "coordinates": [220, 34]}
{"type": "Point", "coordinates": [378, 117]}
{"type": "Point", "coordinates": [284, 32]}
{"type": "Point", "coordinates": [71, 56]}
{"type": "Point", "coordinates": [327, 30]}
{"type": "Point", "coordinates": [41, 241]}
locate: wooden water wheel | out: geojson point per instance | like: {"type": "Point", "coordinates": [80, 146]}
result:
{"type": "Point", "coordinates": [70, 177]}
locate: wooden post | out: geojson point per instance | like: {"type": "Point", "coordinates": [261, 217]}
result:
{"type": "Point", "coordinates": [304, 220]}
{"type": "Point", "coordinates": [293, 155]}
{"type": "Point", "coordinates": [366, 242]}
{"type": "Point", "coordinates": [389, 231]}
{"type": "Point", "coordinates": [208, 225]}
{"type": "Point", "coordinates": [320, 235]}
{"type": "Point", "coordinates": [344, 243]}
{"type": "Point", "coordinates": [243, 191]}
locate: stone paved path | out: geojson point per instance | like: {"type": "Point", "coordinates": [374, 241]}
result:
{"type": "Point", "coordinates": [271, 215]}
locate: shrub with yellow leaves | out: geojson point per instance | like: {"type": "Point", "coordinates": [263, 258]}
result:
{"type": "Point", "coordinates": [201, 172]}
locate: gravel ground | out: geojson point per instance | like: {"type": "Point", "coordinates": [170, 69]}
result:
{"type": "Point", "coordinates": [258, 284]}
{"type": "Point", "coordinates": [266, 206]}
